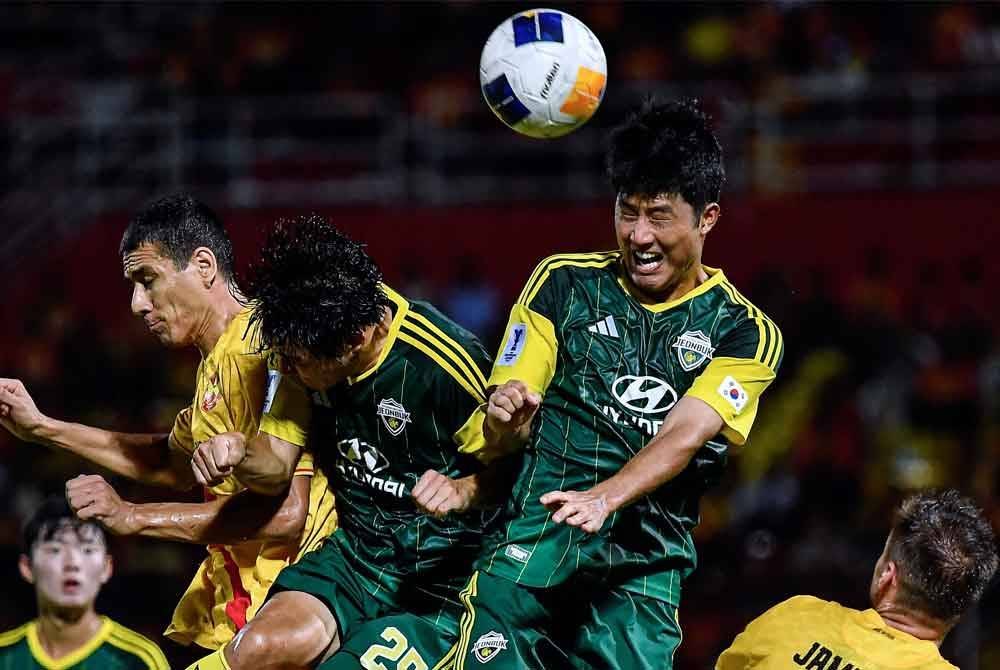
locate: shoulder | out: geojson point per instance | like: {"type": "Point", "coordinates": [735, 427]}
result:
{"type": "Point", "coordinates": [750, 333]}
{"type": "Point", "coordinates": [563, 268]}
{"type": "Point", "coordinates": [11, 637]}
{"type": "Point", "coordinates": [798, 606]}
{"type": "Point", "coordinates": [446, 351]}
{"type": "Point", "coordinates": [141, 647]}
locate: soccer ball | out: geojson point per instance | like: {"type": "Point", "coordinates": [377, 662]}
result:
{"type": "Point", "coordinates": [543, 72]}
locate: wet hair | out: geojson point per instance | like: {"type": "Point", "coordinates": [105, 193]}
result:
{"type": "Point", "coordinates": [177, 225]}
{"type": "Point", "coordinates": [667, 147]}
{"type": "Point", "coordinates": [51, 517]}
{"type": "Point", "coordinates": [313, 288]}
{"type": "Point", "coordinates": [945, 551]}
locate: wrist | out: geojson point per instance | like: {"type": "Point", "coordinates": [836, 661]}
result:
{"type": "Point", "coordinates": [44, 431]}
{"type": "Point", "coordinates": [130, 524]}
{"type": "Point", "coordinates": [614, 498]}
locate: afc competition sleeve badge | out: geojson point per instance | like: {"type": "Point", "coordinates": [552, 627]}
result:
{"type": "Point", "coordinates": [394, 416]}
{"type": "Point", "coordinates": [693, 349]}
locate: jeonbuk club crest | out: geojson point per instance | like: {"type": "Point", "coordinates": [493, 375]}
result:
{"type": "Point", "coordinates": [488, 646]}
{"type": "Point", "coordinates": [693, 348]}
{"type": "Point", "coordinates": [394, 416]}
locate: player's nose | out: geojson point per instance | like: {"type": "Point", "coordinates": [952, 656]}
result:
{"type": "Point", "coordinates": [140, 301]}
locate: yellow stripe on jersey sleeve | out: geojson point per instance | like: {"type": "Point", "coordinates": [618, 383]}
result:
{"type": "Point", "coordinates": [441, 359]}
{"type": "Point", "coordinates": [732, 387]}
{"type": "Point", "coordinates": [447, 348]}
{"type": "Point", "coordinates": [181, 437]}
{"type": "Point", "coordinates": [530, 292]}
{"type": "Point", "coordinates": [529, 351]}
{"type": "Point", "coordinates": [541, 272]}
{"type": "Point", "coordinates": [139, 646]}
{"type": "Point", "coordinates": [289, 414]}
{"type": "Point", "coordinates": [447, 339]}
{"type": "Point", "coordinates": [771, 343]}
{"type": "Point", "coordinates": [306, 466]}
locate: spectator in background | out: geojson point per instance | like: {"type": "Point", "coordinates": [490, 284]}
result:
{"type": "Point", "coordinates": [939, 558]}
{"type": "Point", "coordinates": [67, 562]}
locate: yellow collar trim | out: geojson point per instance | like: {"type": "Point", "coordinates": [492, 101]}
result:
{"type": "Point", "coordinates": [71, 659]}
{"type": "Point", "coordinates": [715, 277]}
{"type": "Point", "coordinates": [402, 306]}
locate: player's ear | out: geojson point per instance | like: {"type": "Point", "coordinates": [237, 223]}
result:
{"type": "Point", "coordinates": [24, 567]}
{"type": "Point", "coordinates": [109, 569]}
{"type": "Point", "coordinates": [206, 265]}
{"type": "Point", "coordinates": [709, 217]}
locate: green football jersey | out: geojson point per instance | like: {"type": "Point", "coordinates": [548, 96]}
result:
{"type": "Point", "coordinates": [114, 647]}
{"type": "Point", "coordinates": [610, 368]}
{"type": "Point", "coordinates": [377, 434]}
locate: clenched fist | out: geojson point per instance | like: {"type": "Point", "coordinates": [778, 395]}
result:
{"type": "Point", "coordinates": [92, 498]}
{"type": "Point", "coordinates": [511, 408]}
{"type": "Point", "coordinates": [439, 495]}
{"type": "Point", "coordinates": [18, 412]}
{"type": "Point", "coordinates": [214, 460]}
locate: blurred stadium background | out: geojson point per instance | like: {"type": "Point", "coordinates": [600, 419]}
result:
{"type": "Point", "coordinates": [863, 150]}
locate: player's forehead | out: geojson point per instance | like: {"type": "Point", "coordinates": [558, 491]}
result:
{"type": "Point", "coordinates": [145, 256]}
{"type": "Point", "coordinates": [68, 533]}
{"type": "Point", "coordinates": [669, 201]}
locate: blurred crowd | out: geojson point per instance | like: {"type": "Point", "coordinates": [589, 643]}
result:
{"type": "Point", "coordinates": [221, 49]}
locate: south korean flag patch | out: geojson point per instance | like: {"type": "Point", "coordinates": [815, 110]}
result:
{"type": "Point", "coordinates": [733, 393]}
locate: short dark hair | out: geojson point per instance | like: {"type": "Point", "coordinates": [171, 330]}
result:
{"type": "Point", "coordinates": [178, 224]}
{"type": "Point", "coordinates": [945, 551]}
{"type": "Point", "coordinates": [52, 516]}
{"type": "Point", "coordinates": [313, 288]}
{"type": "Point", "coordinates": [667, 147]}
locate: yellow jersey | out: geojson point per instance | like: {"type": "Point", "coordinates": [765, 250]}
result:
{"type": "Point", "coordinates": [235, 387]}
{"type": "Point", "coordinates": [811, 634]}
{"type": "Point", "coordinates": [114, 646]}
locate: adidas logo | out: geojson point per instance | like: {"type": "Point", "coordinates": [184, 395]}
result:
{"type": "Point", "coordinates": [605, 327]}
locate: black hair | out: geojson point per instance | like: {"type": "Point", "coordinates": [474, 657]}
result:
{"type": "Point", "coordinates": [945, 551]}
{"type": "Point", "coordinates": [52, 516]}
{"type": "Point", "coordinates": [177, 225]}
{"type": "Point", "coordinates": [313, 288]}
{"type": "Point", "coordinates": [667, 147]}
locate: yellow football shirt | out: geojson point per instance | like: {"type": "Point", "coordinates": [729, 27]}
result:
{"type": "Point", "coordinates": [113, 646]}
{"type": "Point", "coordinates": [234, 386]}
{"type": "Point", "coordinates": [813, 634]}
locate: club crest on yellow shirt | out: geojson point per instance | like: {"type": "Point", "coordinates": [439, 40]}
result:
{"type": "Point", "coordinates": [212, 394]}
{"type": "Point", "coordinates": [394, 416]}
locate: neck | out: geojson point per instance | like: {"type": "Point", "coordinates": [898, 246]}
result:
{"type": "Point", "coordinates": [687, 280]}
{"type": "Point", "coordinates": [917, 624]}
{"type": "Point", "coordinates": [369, 356]}
{"type": "Point", "coordinates": [62, 631]}
{"type": "Point", "coordinates": [222, 309]}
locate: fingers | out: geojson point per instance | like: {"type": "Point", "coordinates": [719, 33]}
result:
{"type": "Point", "coordinates": [436, 494]}
{"type": "Point", "coordinates": [212, 461]}
{"type": "Point", "coordinates": [512, 402]}
{"type": "Point", "coordinates": [88, 495]}
{"type": "Point", "coordinates": [426, 480]}
{"type": "Point", "coordinates": [554, 499]}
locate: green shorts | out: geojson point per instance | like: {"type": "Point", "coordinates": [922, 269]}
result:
{"type": "Point", "coordinates": [582, 626]}
{"type": "Point", "coordinates": [327, 573]}
{"type": "Point", "coordinates": [398, 641]}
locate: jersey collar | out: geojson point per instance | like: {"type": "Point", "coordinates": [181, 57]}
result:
{"type": "Point", "coordinates": [715, 277]}
{"type": "Point", "coordinates": [71, 659]}
{"type": "Point", "coordinates": [402, 306]}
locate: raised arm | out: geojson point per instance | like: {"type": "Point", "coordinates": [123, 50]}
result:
{"type": "Point", "coordinates": [224, 520]}
{"type": "Point", "coordinates": [143, 457]}
{"type": "Point", "coordinates": [264, 464]}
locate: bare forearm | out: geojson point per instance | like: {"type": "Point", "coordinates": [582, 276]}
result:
{"type": "Point", "coordinates": [268, 466]}
{"type": "Point", "coordinates": [239, 518]}
{"type": "Point", "coordinates": [138, 456]}
{"type": "Point", "coordinates": [656, 464]}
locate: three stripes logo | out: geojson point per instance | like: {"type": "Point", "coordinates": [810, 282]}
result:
{"type": "Point", "coordinates": [605, 326]}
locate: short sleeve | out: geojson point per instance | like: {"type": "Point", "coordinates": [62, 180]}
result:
{"type": "Point", "coordinates": [743, 366]}
{"type": "Point", "coordinates": [287, 410]}
{"type": "Point", "coordinates": [180, 435]}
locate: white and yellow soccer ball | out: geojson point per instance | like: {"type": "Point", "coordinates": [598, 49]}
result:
{"type": "Point", "coordinates": [543, 72]}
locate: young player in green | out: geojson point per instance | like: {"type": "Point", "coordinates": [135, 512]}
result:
{"type": "Point", "coordinates": [67, 562]}
{"type": "Point", "coordinates": [393, 384]}
{"type": "Point", "coordinates": [624, 376]}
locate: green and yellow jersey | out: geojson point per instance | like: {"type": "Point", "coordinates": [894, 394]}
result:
{"type": "Point", "coordinates": [610, 368]}
{"type": "Point", "coordinates": [376, 434]}
{"type": "Point", "coordinates": [114, 647]}
{"type": "Point", "coordinates": [806, 632]}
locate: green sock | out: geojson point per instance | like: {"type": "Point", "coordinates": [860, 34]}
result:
{"type": "Point", "coordinates": [214, 661]}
